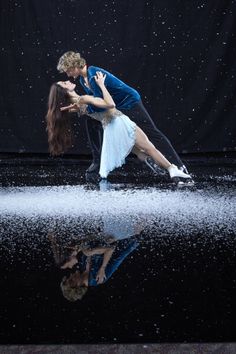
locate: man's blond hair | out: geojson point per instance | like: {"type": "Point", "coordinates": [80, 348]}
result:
{"type": "Point", "coordinates": [72, 293]}
{"type": "Point", "coordinates": [70, 60]}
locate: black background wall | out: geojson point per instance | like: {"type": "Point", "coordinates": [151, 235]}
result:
{"type": "Point", "coordinates": [179, 54]}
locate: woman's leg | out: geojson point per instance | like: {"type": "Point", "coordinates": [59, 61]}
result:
{"type": "Point", "coordinates": [141, 117]}
{"type": "Point", "coordinates": [156, 168]}
{"type": "Point", "coordinates": [139, 153]}
{"type": "Point", "coordinates": [143, 143]}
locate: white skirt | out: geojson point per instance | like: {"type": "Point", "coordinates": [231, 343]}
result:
{"type": "Point", "coordinates": [118, 141]}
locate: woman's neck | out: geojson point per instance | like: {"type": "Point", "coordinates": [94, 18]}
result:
{"type": "Point", "coordinates": [73, 94]}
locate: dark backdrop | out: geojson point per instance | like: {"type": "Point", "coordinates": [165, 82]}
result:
{"type": "Point", "coordinates": [179, 54]}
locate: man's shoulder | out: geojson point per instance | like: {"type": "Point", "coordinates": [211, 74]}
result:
{"type": "Point", "coordinates": [93, 69]}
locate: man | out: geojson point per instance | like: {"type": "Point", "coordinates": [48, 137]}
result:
{"type": "Point", "coordinates": [127, 100]}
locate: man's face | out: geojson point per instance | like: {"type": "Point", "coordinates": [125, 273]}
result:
{"type": "Point", "coordinates": [73, 72]}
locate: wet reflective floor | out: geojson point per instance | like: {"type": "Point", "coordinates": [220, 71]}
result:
{"type": "Point", "coordinates": [134, 259]}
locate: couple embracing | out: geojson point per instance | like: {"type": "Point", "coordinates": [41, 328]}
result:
{"type": "Point", "coordinates": [120, 123]}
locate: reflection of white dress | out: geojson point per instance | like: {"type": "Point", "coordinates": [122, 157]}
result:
{"type": "Point", "coordinates": [120, 227]}
{"type": "Point", "coordinates": [118, 139]}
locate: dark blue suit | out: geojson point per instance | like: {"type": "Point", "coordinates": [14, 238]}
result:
{"type": "Point", "coordinates": [124, 96]}
{"type": "Point", "coordinates": [129, 102]}
{"type": "Point", "coordinates": [117, 258]}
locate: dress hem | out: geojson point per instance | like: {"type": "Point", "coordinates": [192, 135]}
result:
{"type": "Point", "coordinates": [126, 154]}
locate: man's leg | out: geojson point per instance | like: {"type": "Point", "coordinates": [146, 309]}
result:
{"type": "Point", "coordinates": [95, 133]}
{"type": "Point", "coordinates": [140, 116]}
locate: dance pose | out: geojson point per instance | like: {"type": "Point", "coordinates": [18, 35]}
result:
{"type": "Point", "coordinates": [126, 99]}
{"type": "Point", "coordinates": [96, 266]}
{"type": "Point", "coordinates": [121, 135]}
{"type": "Point", "coordinates": [93, 259]}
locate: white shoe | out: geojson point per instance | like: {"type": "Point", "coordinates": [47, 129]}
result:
{"type": "Point", "coordinates": [175, 172]}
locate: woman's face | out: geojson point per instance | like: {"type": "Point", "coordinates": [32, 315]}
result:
{"type": "Point", "coordinates": [68, 85]}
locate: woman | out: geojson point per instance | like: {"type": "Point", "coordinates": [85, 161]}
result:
{"type": "Point", "coordinates": [121, 135]}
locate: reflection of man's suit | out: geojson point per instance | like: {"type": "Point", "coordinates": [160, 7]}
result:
{"type": "Point", "coordinates": [124, 249]}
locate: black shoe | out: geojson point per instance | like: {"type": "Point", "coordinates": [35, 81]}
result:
{"type": "Point", "coordinates": [92, 177]}
{"type": "Point", "coordinates": [93, 168]}
{"type": "Point", "coordinates": [154, 167]}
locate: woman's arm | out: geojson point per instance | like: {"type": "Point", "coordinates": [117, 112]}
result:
{"type": "Point", "coordinates": [107, 256]}
{"type": "Point", "coordinates": [55, 248]}
{"type": "Point", "coordinates": [101, 276]}
{"type": "Point", "coordinates": [97, 250]}
{"type": "Point", "coordinates": [106, 101]}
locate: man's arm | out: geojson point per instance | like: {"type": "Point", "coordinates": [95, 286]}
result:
{"type": "Point", "coordinates": [119, 258]}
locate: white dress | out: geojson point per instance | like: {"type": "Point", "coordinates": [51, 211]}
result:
{"type": "Point", "coordinates": [119, 228]}
{"type": "Point", "coordinates": [118, 139]}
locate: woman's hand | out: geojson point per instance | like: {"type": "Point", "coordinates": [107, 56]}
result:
{"type": "Point", "coordinates": [101, 276]}
{"type": "Point", "coordinates": [71, 108]}
{"type": "Point", "coordinates": [100, 78]}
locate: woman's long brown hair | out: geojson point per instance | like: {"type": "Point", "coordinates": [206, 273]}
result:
{"type": "Point", "coordinates": [60, 136]}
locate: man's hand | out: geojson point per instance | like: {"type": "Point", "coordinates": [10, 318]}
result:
{"type": "Point", "coordinates": [101, 276]}
{"type": "Point", "coordinates": [71, 108]}
{"type": "Point", "coordinates": [99, 78]}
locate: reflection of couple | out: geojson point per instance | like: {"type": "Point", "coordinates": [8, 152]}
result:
{"type": "Point", "coordinates": [106, 95]}
{"type": "Point", "coordinates": [93, 260]}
